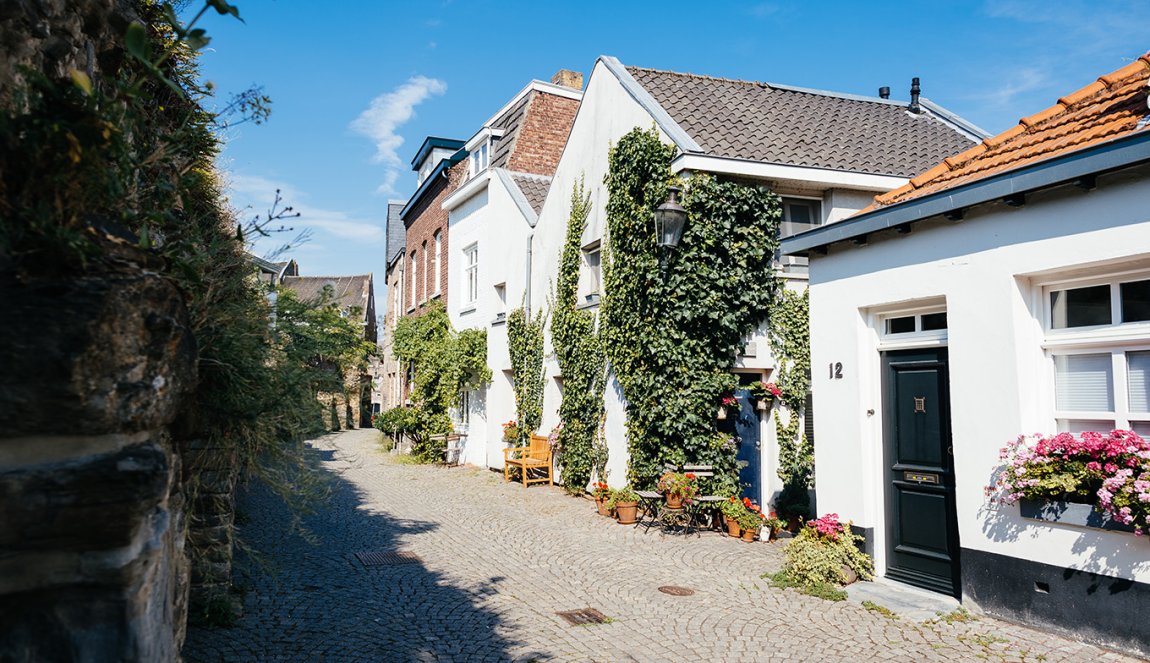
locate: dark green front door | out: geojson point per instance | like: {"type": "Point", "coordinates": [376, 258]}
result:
{"type": "Point", "coordinates": [922, 525]}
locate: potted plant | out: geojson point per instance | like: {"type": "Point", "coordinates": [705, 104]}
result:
{"type": "Point", "coordinates": [725, 403]}
{"type": "Point", "coordinates": [793, 505]}
{"type": "Point", "coordinates": [749, 523]}
{"type": "Point", "coordinates": [1095, 480]}
{"type": "Point", "coordinates": [601, 492]}
{"type": "Point", "coordinates": [678, 488]}
{"type": "Point", "coordinates": [511, 432]}
{"type": "Point", "coordinates": [765, 394]}
{"type": "Point", "coordinates": [772, 525]}
{"type": "Point", "coordinates": [625, 503]}
{"type": "Point", "coordinates": [732, 509]}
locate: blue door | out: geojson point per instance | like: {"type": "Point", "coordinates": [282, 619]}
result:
{"type": "Point", "coordinates": [746, 428]}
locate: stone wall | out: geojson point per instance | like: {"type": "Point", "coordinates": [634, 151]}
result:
{"type": "Point", "coordinates": [95, 368]}
{"type": "Point", "coordinates": [92, 562]}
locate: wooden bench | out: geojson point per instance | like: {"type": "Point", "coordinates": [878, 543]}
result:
{"type": "Point", "coordinates": [535, 456]}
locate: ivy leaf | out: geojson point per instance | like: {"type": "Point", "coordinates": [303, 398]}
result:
{"type": "Point", "coordinates": [136, 41]}
{"type": "Point", "coordinates": [81, 80]}
{"type": "Point", "coordinates": [222, 7]}
{"type": "Point", "coordinates": [197, 39]}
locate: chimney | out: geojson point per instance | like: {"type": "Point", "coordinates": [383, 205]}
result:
{"type": "Point", "coordinates": [884, 93]}
{"type": "Point", "coordinates": [914, 91]}
{"type": "Point", "coordinates": [568, 78]}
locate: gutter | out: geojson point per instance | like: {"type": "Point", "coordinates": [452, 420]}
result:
{"type": "Point", "coordinates": [1115, 155]}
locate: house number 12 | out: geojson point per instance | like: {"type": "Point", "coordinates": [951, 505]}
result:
{"type": "Point", "coordinates": [836, 369]}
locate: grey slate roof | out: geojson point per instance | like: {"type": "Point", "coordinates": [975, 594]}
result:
{"type": "Point", "coordinates": [791, 126]}
{"type": "Point", "coordinates": [534, 188]}
{"type": "Point", "coordinates": [510, 122]}
{"type": "Point", "coordinates": [396, 233]}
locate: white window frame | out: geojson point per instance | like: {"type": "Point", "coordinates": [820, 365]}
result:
{"type": "Point", "coordinates": [500, 301]}
{"type": "Point", "coordinates": [438, 252]}
{"type": "Point", "coordinates": [916, 339]}
{"type": "Point", "coordinates": [471, 275]}
{"type": "Point", "coordinates": [818, 202]}
{"type": "Point", "coordinates": [592, 281]}
{"type": "Point", "coordinates": [1115, 339]}
{"type": "Point", "coordinates": [426, 275]}
{"type": "Point", "coordinates": [479, 158]}
{"type": "Point", "coordinates": [464, 420]}
{"type": "Point", "coordinates": [414, 279]}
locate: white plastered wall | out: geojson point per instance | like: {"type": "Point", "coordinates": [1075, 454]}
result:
{"type": "Point", "coordinates": [491, 220]}
{"type": "Point", "coordinates": [1000, 378]}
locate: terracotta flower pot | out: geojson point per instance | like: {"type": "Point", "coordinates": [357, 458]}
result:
{"type": "Point", "coordinates": [794, 523]}
{"type": "Point", "coordinates": [601, 505]}
{"type": "Point", "coordinates": [626, 512]}
{"type": "Point", "coordinates": [749, 535]}
{"type": "Point", "coordinates": [774, 535]}
{"type": "Point", "coordinates": [674, 501]}
{"type": "Point", "coordinates": [732, 527]}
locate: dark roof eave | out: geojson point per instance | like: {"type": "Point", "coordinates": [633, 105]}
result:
{"type": "Point", "coordinates": [439, 168]}
{"type": "Point", "coordinates": [1120, 153]}
{"type": "Point", "coordinates": [432, 142]}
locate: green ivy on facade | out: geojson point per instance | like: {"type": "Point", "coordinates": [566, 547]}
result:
{"type": "Point", "coordinates": [673, 324]}
{"type": "Point", "coordinates": [581, 360]}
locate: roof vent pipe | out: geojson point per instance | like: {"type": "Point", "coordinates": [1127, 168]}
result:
{"type": "Point", "coordinates": [914, 92]}
{"type": "Point", "coordinates": [884, 93]}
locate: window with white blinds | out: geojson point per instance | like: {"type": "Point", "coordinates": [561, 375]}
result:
{"type": "Point", "coordinates": [1083, 383]}
{"type": "Point", "coordinates": [1098, 338]}
{"type": "Point", "coordinates": [1100, 391]}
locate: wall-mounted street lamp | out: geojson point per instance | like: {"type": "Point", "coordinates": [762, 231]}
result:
{"type": "Point", "coordinates": [670, 218]}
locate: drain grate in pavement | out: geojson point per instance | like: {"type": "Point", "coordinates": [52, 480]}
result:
{"type": "Point", "coordinates": [583, 617]}
{"type": "Point", "coordinates": [676, 591]}
{"type": "Point", "coordinates": [378, 558]}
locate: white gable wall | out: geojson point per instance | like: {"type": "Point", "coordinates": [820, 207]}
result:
{"type": "Point", "coordinates": [1000, 378]}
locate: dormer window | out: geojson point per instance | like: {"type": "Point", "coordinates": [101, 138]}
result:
{"type": "Point", "coordinates": [479, 159]}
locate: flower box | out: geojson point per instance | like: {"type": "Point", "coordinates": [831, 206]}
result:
{"type": "Point", "coordinates": [1070, 513]}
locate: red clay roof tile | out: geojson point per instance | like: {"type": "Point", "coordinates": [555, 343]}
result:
{"type": "Point", "coordinates": [1102, 111]}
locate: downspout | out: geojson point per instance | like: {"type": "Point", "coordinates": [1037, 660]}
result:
{"type": "Point", "coordinates": [527, 290]}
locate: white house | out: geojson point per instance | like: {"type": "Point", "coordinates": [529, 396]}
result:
{"type": "Point", "coordinates": [827, 154]}
{"type": "Point", "coordinates": [1004, 291]}
{"type": "Point", "coordinates": [491, 220]}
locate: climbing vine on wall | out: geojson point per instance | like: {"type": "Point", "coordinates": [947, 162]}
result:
{"type": "Point", "coordinates": [672, 334]}
{"type": "Point", "coordinates": [525, 345]}
{"type": "Point", "coordinates": [789, 329]}
{"type": "Point", "coordinates": [579, 353]}
{"type": "Point", "coordinates": [446, 362]}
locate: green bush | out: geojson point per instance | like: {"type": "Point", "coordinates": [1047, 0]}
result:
{"type": "Point", "coordinates": [822, 590]}
{"type": "Point", "coordinates": [818, 555]}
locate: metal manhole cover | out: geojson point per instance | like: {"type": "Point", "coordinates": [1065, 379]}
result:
{"type": "Point", "coordinates": [583, 617]}
{"type": "Point", "coordinates": [370, 559]}
{"type": "Point", "coordinates": [676, 591]}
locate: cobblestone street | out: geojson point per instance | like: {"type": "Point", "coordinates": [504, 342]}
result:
{"type": "Point", "coordinates": [495, 563]}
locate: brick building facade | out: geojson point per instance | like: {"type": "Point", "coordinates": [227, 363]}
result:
{"type": "Point", "coordinates": [425, 221]}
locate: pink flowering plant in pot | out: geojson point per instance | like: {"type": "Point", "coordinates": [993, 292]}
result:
{"type": "Point", "coordinates": [1110, 471]}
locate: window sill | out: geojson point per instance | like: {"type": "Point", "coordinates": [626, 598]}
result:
{"type": "Point", "coordinates": [434, 295]}
{"type": "Point", "coordinates": [411, 309]}
{"type": "Point", "coordinates": [469, 308]}
{"type": "Point", "coordinates": [499, 319]}
{"type": "Point", "coordinates": [590, 301]}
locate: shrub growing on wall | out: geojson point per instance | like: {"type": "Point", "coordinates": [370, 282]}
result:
{"type": "Point", "coordinates": [579, 353]}
{"type": "Point", "coordinates": [672, 334]}
{"type": "Point", "coordinates": [525, 345]}
{"type": "Point", "coordinates": [446, 362]}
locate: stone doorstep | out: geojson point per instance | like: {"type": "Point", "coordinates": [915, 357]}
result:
{"type": "Point", "coordinates": [910, 603]}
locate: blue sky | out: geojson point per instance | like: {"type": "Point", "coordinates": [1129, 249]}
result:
{"type": "Point", "coordinates": [357, 85]}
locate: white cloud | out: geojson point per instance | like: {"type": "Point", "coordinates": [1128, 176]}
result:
{"type": "Point", "coordinates": [258, 194]}
{"type": "Point", "coordinates": [386, 114]}
{"type": "Point", "coordinates": [1020, 83]}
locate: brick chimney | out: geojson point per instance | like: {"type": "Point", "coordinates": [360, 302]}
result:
{"type": "Point", "coordinates": [568, 78]}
